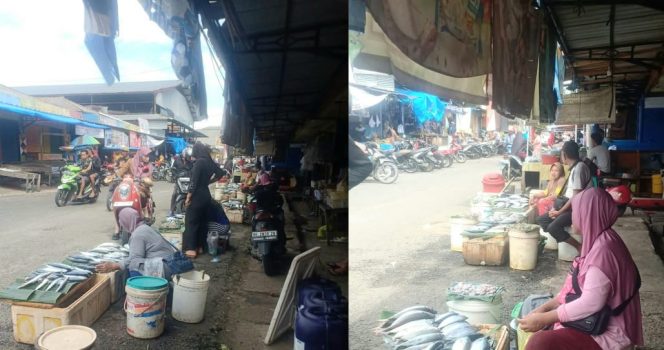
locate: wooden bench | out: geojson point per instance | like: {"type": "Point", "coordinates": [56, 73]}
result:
{"type": "Point", "coordinates": [32, 180]}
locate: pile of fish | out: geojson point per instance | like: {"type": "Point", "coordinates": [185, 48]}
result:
{"type": "Point", "coordinates": [105, 252]}
{"type": "Point", "coordinates": [422, 328]}
{"type": "Point", "coordinates": [172, 223]}
{"type": "Point", "coordinates": [465, 289]}
{"type": "Point", "coordinates": [232, 204]}
{"type": "Point", "coordinates": [54, 276]}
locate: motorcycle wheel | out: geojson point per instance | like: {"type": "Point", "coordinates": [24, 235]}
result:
{"type": "Point", "coordinates": [447, 161]}
{"type": "Point", "coordinates": [62, 197]}
{"type": "Point", "coordinates": [109, 201]}
{"type": "Point", "coordinates": [485, 152]}
{"type": "Point", "coordinates": [411, 166]}
{"type": "Point", "coordinates": [427, 166]}
{"type": "Point", "coordinates": [460, 157]}
{"type": "Point", "coordinates": [269, 265]}
{"type": "Point", "coordinates": [169, 177]}
{"type": "Point", "coordinates": [386, 173]}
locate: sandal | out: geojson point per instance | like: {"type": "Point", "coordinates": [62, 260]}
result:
{"type": "Point", "coordinates": [191, 254]}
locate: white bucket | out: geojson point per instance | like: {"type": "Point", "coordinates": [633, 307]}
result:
{"type": "Point", "coordinates": [189, 296]}
{"type": "Point", "coordinates": [459, 224]}
{"type": "Point", "coordinates": [145, 312]}
{"type": "Point", "coordinates": [478, 312]}
{"type": "Point", "coordinates": [524, 248]}
{"type": "Point", "coordinates": [567, 252]}
{"type": "Point", "coordinates": [551, 243]}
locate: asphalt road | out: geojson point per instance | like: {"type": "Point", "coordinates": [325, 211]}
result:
{"type": "Point", "coordinates": [400, 247]}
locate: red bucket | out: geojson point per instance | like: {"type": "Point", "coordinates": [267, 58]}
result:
{"type": "Point", "coordinates": [493, 183]}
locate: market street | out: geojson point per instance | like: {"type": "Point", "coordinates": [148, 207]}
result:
{"type": "Point", "coordinates": [400, 252]}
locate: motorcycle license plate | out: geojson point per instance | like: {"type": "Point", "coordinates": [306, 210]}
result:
{"type": "Point", "coordinates": [264, 236]}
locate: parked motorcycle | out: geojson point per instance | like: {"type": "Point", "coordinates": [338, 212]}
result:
{"type": "Point", "coordinates": [512, 167]}
{"type": "Point", "coordinates": [445, 156]}
{"type": "Point", "coordinates": [268, 236]}
{"type": "Point", "coordinates": [457, 153]}
{"type": "Point", "coordinates": [136, 194]}
{"type": "Point", "coordinates": [385, 170]}
{"type": "Point", "coordinates": [70, 183]}
{"type": "Point", "coordinates": [162, 172]}
{"type": "Point", "coordinates": [182, 181]}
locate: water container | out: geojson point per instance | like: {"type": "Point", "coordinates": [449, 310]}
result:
{"type": "Point", "coordinates": [324, 288]}
{"type": "Point", "coordinates": [317, 329]}
{"type": "Point", "coordinates": [477, 311]}
{"type": "Point", "coordinates": [493, 183]}
{"type": "Point", "coordinates": [524, 246]}
{"type": "Point", "coordinates": [189, 296]}
{"type": "Point", "coordinates": [458, 224]}
{"type": "Point", "coordinates": [145, 306]}
{"type": "Point", "coordinates": [331, 301]}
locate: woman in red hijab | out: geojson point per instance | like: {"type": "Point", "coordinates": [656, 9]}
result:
{"type": "Point", "coordinates": [607, 275]}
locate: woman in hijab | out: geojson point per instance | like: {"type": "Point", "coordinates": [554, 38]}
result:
{"type": "Point", "coordinates": [607, 275]}
{"type": "Point", "coordinates": [140, 164]}
{"type": "Point", "coordinates": [147, 249]}
{"type": "Point", "coordinates": [199, 199]}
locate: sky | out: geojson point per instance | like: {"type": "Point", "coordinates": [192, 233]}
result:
{"type": "Point", "coordinates": [43, 41]}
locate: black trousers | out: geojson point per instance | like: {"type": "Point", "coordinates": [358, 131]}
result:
{"type": "Point", "coordinates": [196, 224]}
{"type": "Point", "coordinates": [556, 227]}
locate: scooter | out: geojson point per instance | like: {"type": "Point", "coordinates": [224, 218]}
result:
{"type": "Point", "coordinates": [268, 236]}
{"type": "Point", "coordinates": [70, 183]}
{"type": "Point", "coordinates": [128, 195]}
{"type": "Point", "coordinates": [385, 170]}
{"type": "Point", "coordinates": [512, 167]}
{"type": "Point", "coordinates": [182, 181]}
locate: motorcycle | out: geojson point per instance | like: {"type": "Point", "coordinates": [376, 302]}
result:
{"type": "Point", "coordinates": [161, 171]}
{"type": "Point", "coordinates": [70, 183]}
{"type": "Point", "coordinates": [445, 156]}
{"type": "Point", "coordinates": [136, 194]}
{"type": "Point", "coordinates": [512, 167]}
{"type": "Point", "coordinates": [385, 170]}
{"type": "Point", "coordinates": [182, 181]}
{"type": "Point", "coordinates": [457, 153]}
{"type": "Point", "coordinates": [622, 196]}
{"type": "Point", "coordinates": [268, 236]}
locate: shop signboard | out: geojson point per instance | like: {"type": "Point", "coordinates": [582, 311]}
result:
{"type": "Point", "coordinates": [134, 140]}
{"type": "Point", "coordinates": [115, 139]}
{"type": "Point", "coordinates": [86, 130]}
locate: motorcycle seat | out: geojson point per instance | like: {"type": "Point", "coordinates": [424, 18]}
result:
{"type": "Point", "coordinates": [403, 152]}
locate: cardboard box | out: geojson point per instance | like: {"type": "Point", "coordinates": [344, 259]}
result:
{"type": "Point", "coordinates": [30, 322]}
{"type": "Point", "coordinates": [490, 252]}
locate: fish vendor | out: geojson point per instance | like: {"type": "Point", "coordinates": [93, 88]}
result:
{"type": "Point", "coordinates": [147, 249]}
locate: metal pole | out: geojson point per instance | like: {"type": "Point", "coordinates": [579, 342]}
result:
{"type": "Point", "coordinates": [576, 133]}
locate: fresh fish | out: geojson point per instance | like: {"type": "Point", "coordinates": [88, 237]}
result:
{"type": "Point", "coordinates": [423, 339]}
{"type": "Point", "coordinates": [92, 255]}
{"type": "Point", "coordinates": [481, 344]}
{"type": "Point", "coordinates": [462, 344]}
{"type": "Point", "coordinates": [43, 283]}
{"type": "Point", "coordinates": [84, 273]}
{"type": "Point", "coordinates": [76, 278]}
{"type": "Point", "coordinates": [53, 283]}
{"type": "Point", "coordinates": [52, 269]}
{"type": "Point", "coordinates": [458, 330]}
{"type": "Point", "coordinates": [79, 257]}
{"type": "Point", "coordinates": [35, 279]}
{"type": "Point", "coordinates": [109, 244]}
{"type": "Point", "coordinates": [439, 318]}
{"type": "Point", "coordinates": [390, 320]}
{"type": "Point", "coordinates": [450, 320]}
{"type": "Point", "coordinates": [415, 332]}
{"type": "Point", "coordinates": [409, 326]}
{"type": "Point", "coordinates": [438, 345]}
{"type": "Point", "coordinates": [62, 283]}
{"type": "Point", "coordinates": [60, 266]}
{"type": "Point", "coordinates": [408, 317]}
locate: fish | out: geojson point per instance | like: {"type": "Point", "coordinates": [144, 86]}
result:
{"type": "Point", "coordinates": [408, 317]}
{"type": "Point", "coordinates": [440, 317]}
{"type": "Point", "coordinates": [76, 278]}
{"type": "Point", "coordinates": [458, 330]}
{"type": "Point", "coordinates": [415, 332]}
{"type": "Point", "coordinates": [53, 269]}
{"type": "Point", "coordinates": [450, 320]}
{"type": "Point", "coordinates": [63, 283]}
{"type": "Point", "coordinates": [43, 283]}
{"type": "Point", "coordinates": [462, 344]}
{"type": "Point", "coordinates": [34, 279]}
{"type": "Point", "coordinates": [422, 339]}
{"type": "Point", "coordinates": [481, 344]}
{"type": "Point", "coordinates": [53, 283]}
{"type": "Point", "coordinates": [60, 266]}
{"type": "Point", "coordinates": [437, 345]}
{"type": "Point", "coordinates": [92, 255]}
{"type": "Point", "coordinates": [388, 322]}
{"type": "Point", "coordinates": [410, 326]}
{"type": "Point", "coordinates": [84, 273]}
{"type": "Point", "coordinates": [109, 244]}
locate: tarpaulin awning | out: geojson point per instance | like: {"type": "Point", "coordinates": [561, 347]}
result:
{"type": "Point", "coordinates": [588, 107]}
{"type": "Point", "coordinates": [378, 53]}
{"type": "Point", "coordinates": [101, 27]}
{"type": "Point", "coordinates": [451, 37]}
{"type": "Point", "coordinates": [425, 106]}
{"type": "Point", "coordinates": [362, 99]}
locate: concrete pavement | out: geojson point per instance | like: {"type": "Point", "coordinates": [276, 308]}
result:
{"type": "Point", "coordinates": [400, 252]}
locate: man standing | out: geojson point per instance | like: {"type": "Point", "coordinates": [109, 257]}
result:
{"type": "Point", "coordinates": [599, 154]}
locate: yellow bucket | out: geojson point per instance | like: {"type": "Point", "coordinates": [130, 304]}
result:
{"type": "Point", "coordinates": [657, 184]}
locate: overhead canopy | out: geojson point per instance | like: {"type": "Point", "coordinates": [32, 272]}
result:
{"type": "Point", "coordinates": [283, 57]}
{"type": "Point", "coordinates": [362, 99]}
{"type": "Point", "coordinates": [615, 39]}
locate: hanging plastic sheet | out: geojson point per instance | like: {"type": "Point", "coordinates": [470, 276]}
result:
{"type": "Point", "coordinates": [425, 106]}
{"type": "Point", "coordinates": [451, 37]}
{"type": "Point", "coordinates": [101, 27]}
{"type": "Point", "coordinates": [177, 143]}
{"type": "Point", "coordinates": [547, 76]}
{"type": "Point", "coordinates": [588, 107]}
{"type": "Point", "coordinates": [515, 32]}
{"type": "Point", "coordinates": [362, 99]}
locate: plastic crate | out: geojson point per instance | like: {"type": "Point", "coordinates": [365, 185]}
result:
{"type": "Point", "coordinates": [30, 322]}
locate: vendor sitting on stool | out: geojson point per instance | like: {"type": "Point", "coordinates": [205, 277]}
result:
{"type": "Point", "coordinates": [147, 249]}
{"type": "Point", "coordinates": [553, 189]}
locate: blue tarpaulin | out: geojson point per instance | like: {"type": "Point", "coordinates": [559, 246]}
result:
{"type": "Point", "coordinates": [425, 106]}
{"type": "Point", "coordinates": [178, 143]}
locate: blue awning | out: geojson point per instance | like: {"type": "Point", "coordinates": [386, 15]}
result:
{"type": "Point", "coordinates": [425, 106]}
{"type": "Point", "coordinates": [38, 114]}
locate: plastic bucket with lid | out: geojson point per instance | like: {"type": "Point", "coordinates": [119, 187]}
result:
{"type": "Point", "coordinates": [459, 224]}
{"type": "Point", "coordinates": [551, 242]}
{"type": "Point", "coordinates": [145, 306]}
{"type": "Point", "coordinates": [524, 246]}
{"type": "Point", "coordinates": [567, 252]}
{"type": "Point", "coordinates": [493, 183]}
{"type": "Point", "coordinates": [477, 311]}
{"type": "Point", "coordinates": [189, 296]}
{"type": "Point", "coordinates": [66, 338]}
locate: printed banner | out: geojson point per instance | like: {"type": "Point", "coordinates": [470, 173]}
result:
{"type": "Point", "coordinates": [588, 107]}
{"type": "Point", "coordinates": [451, 37]}
{"type": "Point", "coordinates": [134, 140]}
{"type": "Point", "coordinates": [115, 139]}
{"type": "Point", "coordinates": [85, 130]}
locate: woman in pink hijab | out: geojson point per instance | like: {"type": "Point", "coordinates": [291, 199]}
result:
{"type": "Point", "coordinates": [140, 162]}
{"type": "Point", "coordinates": [607, 276]}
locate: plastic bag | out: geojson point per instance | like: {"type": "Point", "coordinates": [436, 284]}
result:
{"type": "Point", "coordinates": [544, 205]}
{"type": "Point", "coordinates": [153, 267]}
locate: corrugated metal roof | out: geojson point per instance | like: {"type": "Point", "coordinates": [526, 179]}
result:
{"type": "Point", "coordinates": [92, 89]}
